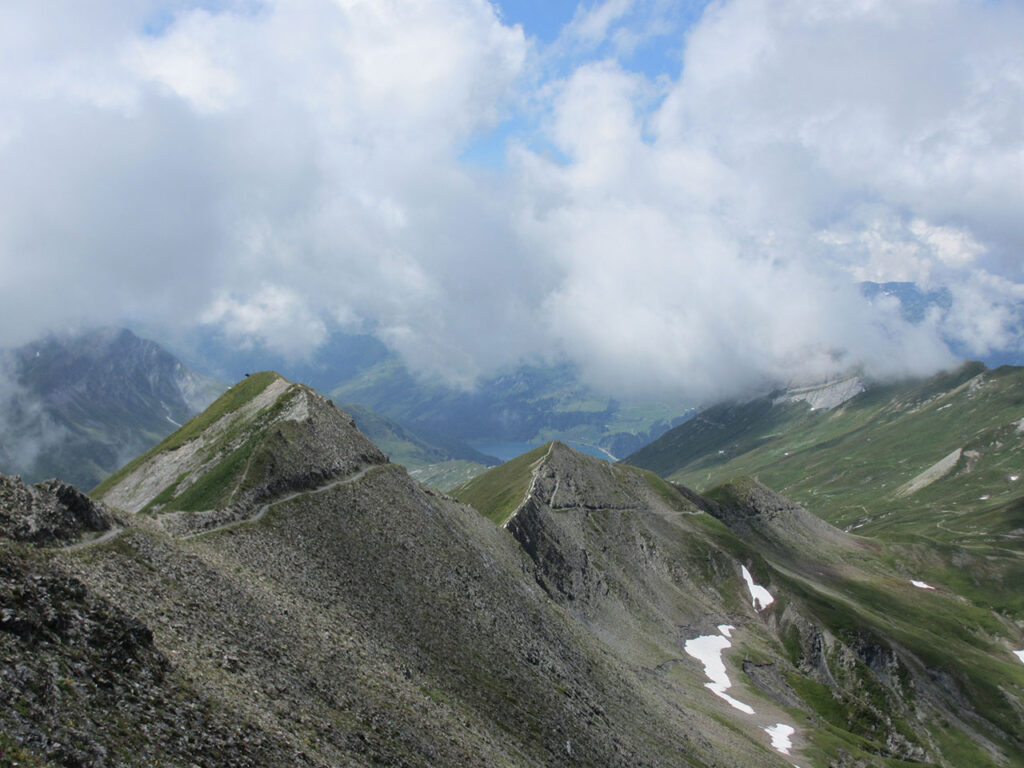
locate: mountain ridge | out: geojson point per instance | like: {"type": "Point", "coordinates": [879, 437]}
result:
{"type": "Point", "coordinates": [344, 614]}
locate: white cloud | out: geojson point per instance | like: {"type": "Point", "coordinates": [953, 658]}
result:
{"type": "Point", "coordinates": [277, 168]}
{"type": "Point", "coordinates": [274, 316]}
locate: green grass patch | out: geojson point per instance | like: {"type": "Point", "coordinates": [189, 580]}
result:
{"type": "Point", "coordinates": [498, 492]}
{"type": "Point", "coordinates": [214, 488]}
{"type": "Point", "coordinates": [236, 397]}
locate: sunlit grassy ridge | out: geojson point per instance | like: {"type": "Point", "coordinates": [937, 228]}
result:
{"type": "Point", "coordinates": [236, 397]}
{"type": "Point", "coordinates": [497, 492]}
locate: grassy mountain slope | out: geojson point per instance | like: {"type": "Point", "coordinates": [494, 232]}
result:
{"type": "Point", "coordinates": [344, 615]}
{"type": "Point", "coordinates": [867, 666]}
{"type": "Point", "coordinates": [365, 620]}
{"type": "Point", "coordinates": [263, 437]}
{"type": "Point", "coordinates": [933, 468]}
{"type": "Point", "coordinates": [856, 464]}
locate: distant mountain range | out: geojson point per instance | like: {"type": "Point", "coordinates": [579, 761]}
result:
{"type": "Point", "coordinates": [265, 588]}
{"type": "Point", "coordinates": [529, 404]}
{"type": "Point", "coordinates": [524, 404]}
{"type": "Point", "coordinates": [78, 406]}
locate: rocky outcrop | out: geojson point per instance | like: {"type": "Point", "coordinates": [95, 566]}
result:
{"type": "Point", "coordinates": [50, 513]}
{"type": "Point", "coordinates": [278, 439]}
{"type": "Point", "coordinates": [83, 684]}
{"type": "Point", "coordinates": [767, 519]}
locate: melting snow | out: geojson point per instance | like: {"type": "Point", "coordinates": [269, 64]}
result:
{"type": "Point", "coordinates": [707, 649]}
{"type": "Point", "coordinates": [985, 497]}
{"type": "Point", "coordinates": [1019, 655]}
{"type": "Point", "coordinates": [780, 734]}
{"type": "Point", "coordinates": [921, 584]}
{"type": "Point", "coordinates": [760, 597]}
{"type": "Point", "coordinates": [1014, 478]}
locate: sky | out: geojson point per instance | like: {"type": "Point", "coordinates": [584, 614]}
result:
{"type": "Point", "coordinates": [679, 197]}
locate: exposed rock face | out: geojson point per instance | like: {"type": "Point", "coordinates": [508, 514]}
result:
{"type": "Point", "coordinates": [631, 562]}
{"type": "Point", "coordinates": [48, 514]}
{"type": "Point", "coordinates": [568, 479]}
{"type": "Point", "coordinates": [371, 622]}
{"type": "Point", "coordinates": [758, 514]}
{"type": "Point", "coordinates": [359, 619]}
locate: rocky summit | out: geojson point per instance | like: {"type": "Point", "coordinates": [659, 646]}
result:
{"type": "Point", "coordinates": [272, 591]}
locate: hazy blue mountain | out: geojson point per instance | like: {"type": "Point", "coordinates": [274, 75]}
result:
{"type": "Point", "coordinates": [530, 404]}
{"type": "Point", "coordinates": [524, 404]}
{"type": "Point", "coordinates": [77, 406]}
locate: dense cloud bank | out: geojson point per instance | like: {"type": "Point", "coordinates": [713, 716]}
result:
{"type": "Point", "coordinates": [275, 170]}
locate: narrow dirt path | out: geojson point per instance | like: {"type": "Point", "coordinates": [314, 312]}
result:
{"type": "Point", "coordinates": [263, 510]}
{"type": "Point", "coordinates": [93, 542]}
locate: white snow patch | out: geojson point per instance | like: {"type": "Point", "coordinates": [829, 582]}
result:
{"type": "Point", "coordinates": [921, 584]}
{"type": "Point", "coordinates": [726, 629]}
{"type": "Point", "coordinates": [780, 734]}
{"type": "Point", "coordinates": [707, 649]}
{"type": "Point", "coordinates": [985, 497]}
{"type": "Point", "coordinates": [760, 597]}
{"type": "Point", "coordinates": [1014, 478]}
{"type": "Point", "coordinates": [1019, 655]}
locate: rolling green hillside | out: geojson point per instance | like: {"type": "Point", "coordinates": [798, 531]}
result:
{"type": "Point", "coordinates": [876, 460]}
{"type": "Point", "coordinates": [934, 466]}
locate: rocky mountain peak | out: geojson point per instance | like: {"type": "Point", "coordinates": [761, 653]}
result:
{"type": "Point", "coordinates": [567, 479]}
{"type": "Point", "coordinates": [753, 510]}
{"type": "Point", "coordinates": [80, 405]}
{"type": "Point", "coordinates": [265, 437]}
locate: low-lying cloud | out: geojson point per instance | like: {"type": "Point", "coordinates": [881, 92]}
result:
{"type": "Point", "coordinates": [275, 170]}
